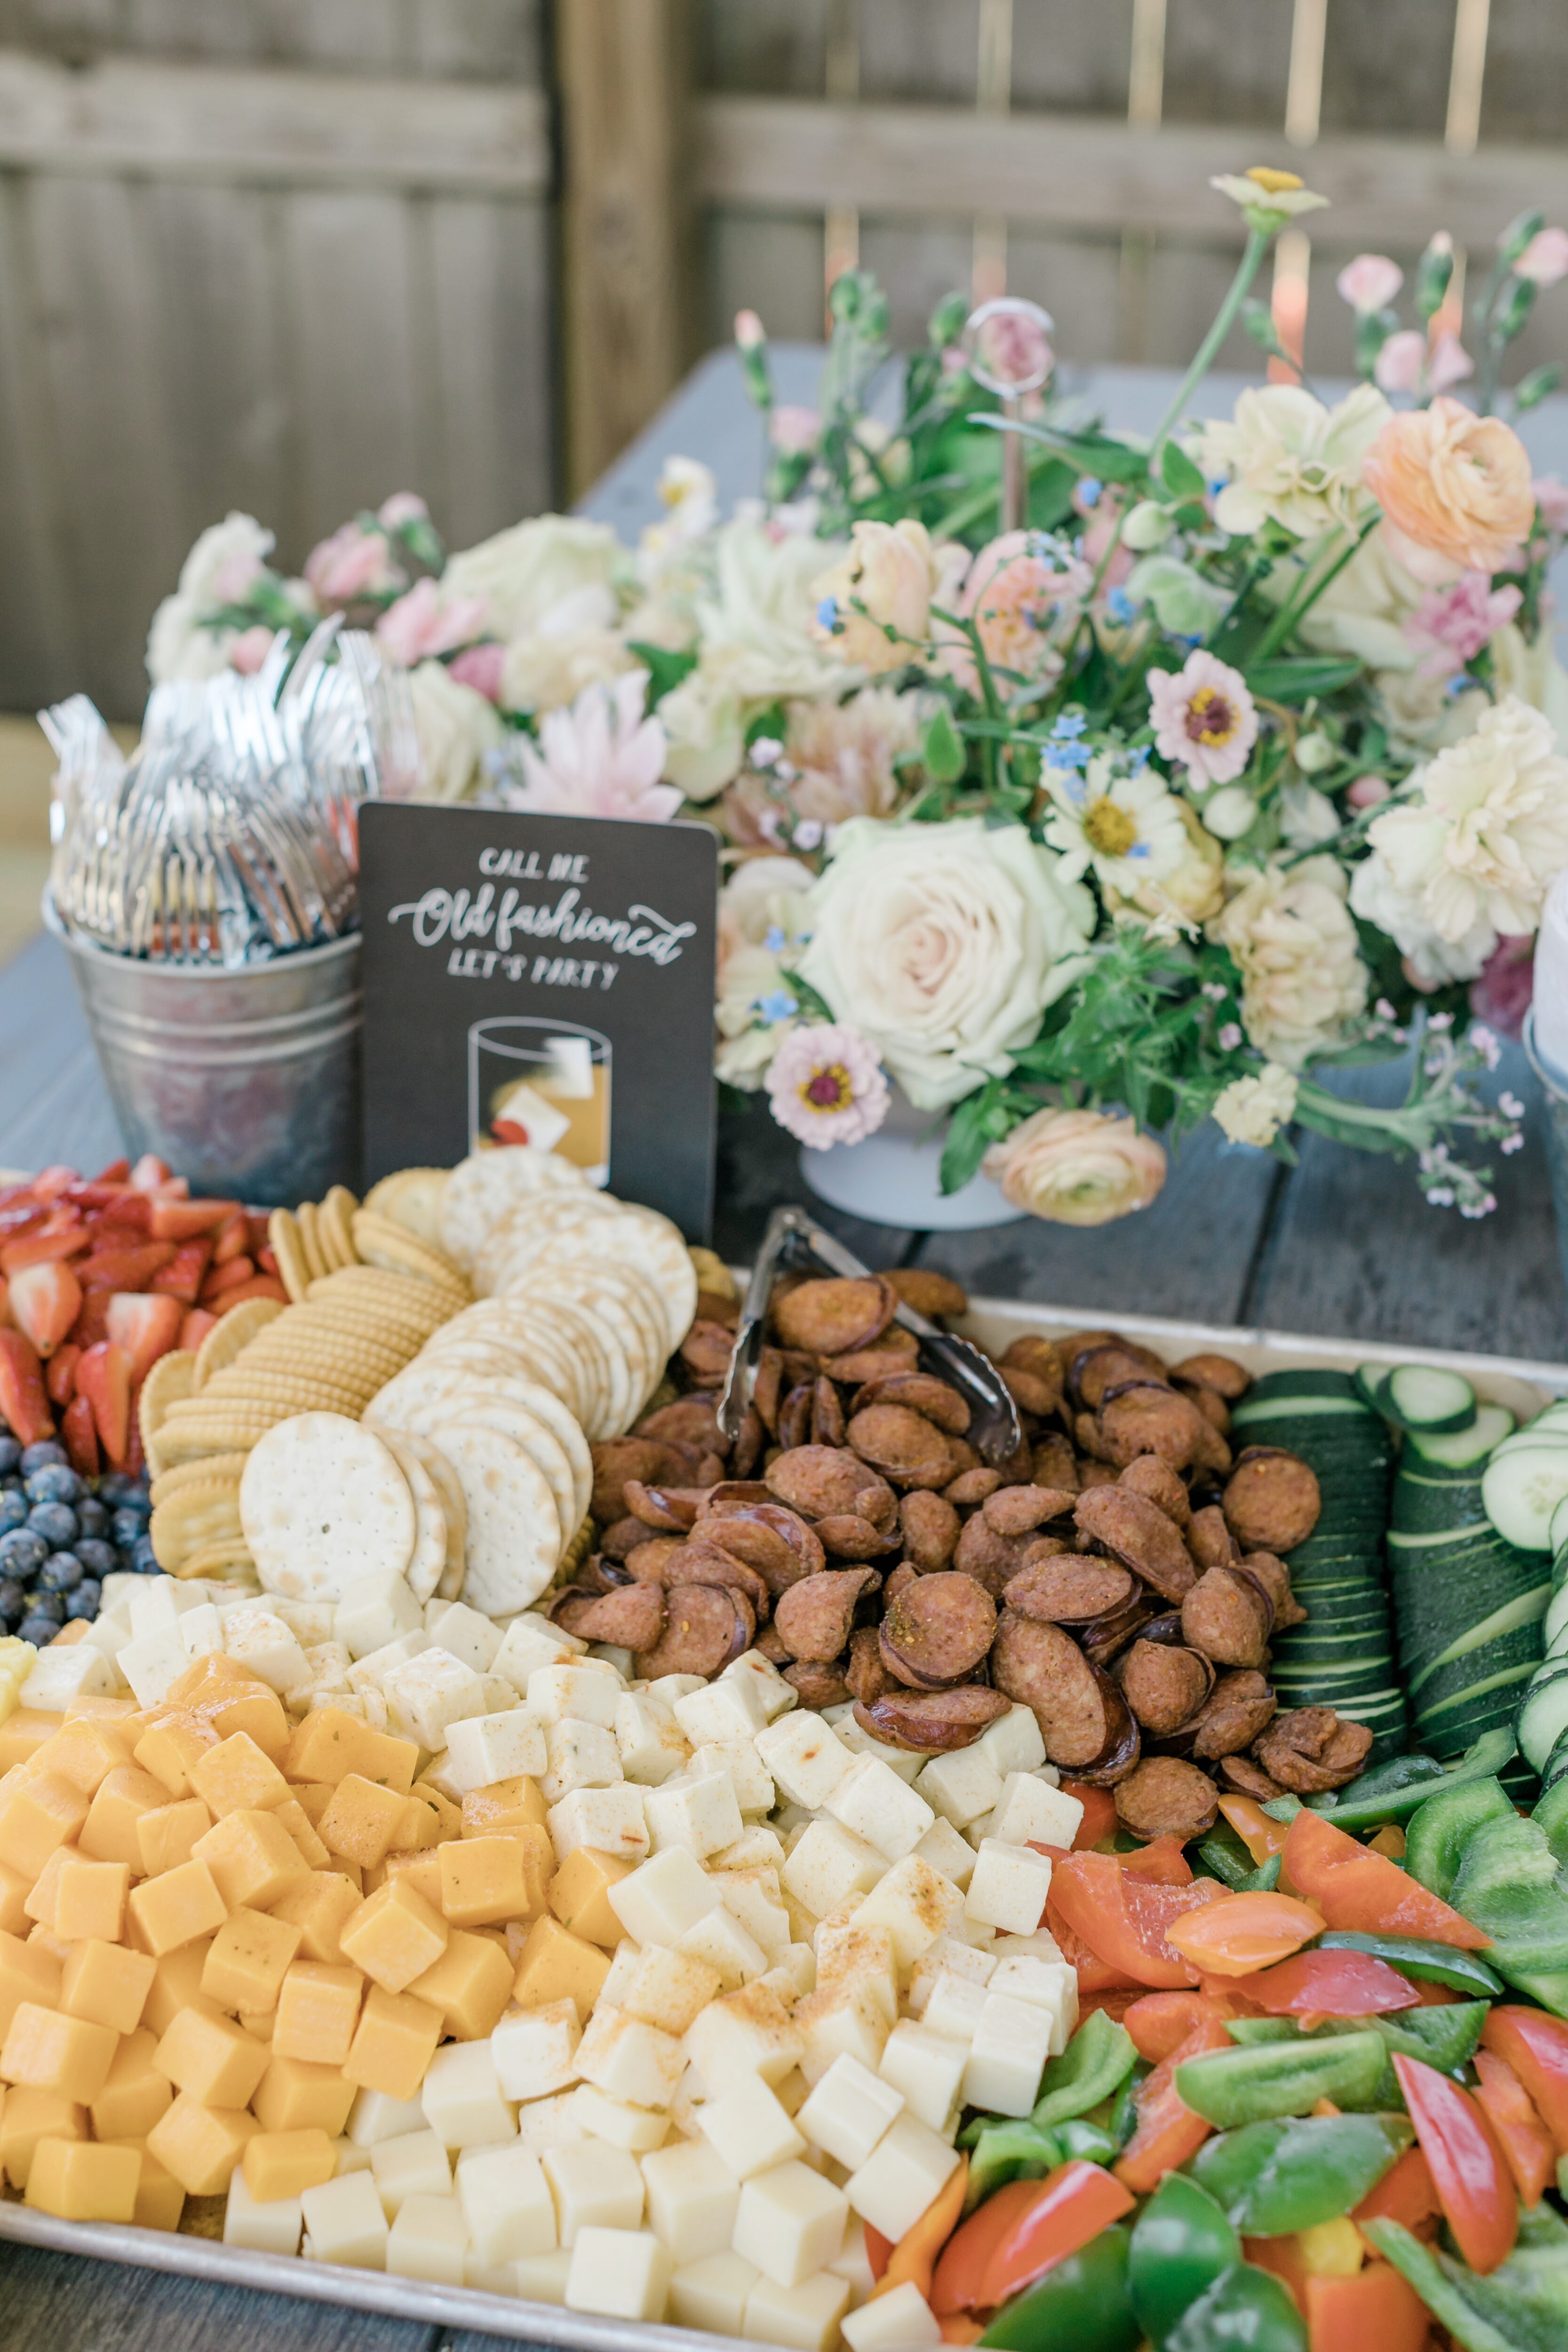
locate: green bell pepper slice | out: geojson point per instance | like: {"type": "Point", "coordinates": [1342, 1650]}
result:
{"type": "Point", "coordinates": [1438, 1834]}
{"type": "Point", "coordinates": [1272, 2179]}
{"type": "Point", "coordinates": [1507, 1880]}
{"type": "Point", "coordinates": [1522, 2307]}
{"type": "Point", "coordinates": [1249, 2308]}
{"type": "Point", "coordinates": [1395, 1791]}
{"type": "Point", "coordinates": [1442, 1964]}
{"type": "Point", "coordinates": [1080, 2136]}
{"type": "Point", "coordinates": [1247, 2084]}
{"type": "Point", "coordinates": [1095, 2063]}
{"type": "Point", "coordinates": [1181, 2244]}
{"type": "Point", "coordinates": [1551, 1814]}
{"type": "Point", "coordinates": [1007, 2151]}
{"type": "Point", "coordinates": [1084, 2305]}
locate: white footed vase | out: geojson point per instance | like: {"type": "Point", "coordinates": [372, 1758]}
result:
{"type": "Point", "coordinates": [894, 1178]}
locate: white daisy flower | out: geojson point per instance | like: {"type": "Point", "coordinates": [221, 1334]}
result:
{"type": "Point", "coordinates": [1125, 825]}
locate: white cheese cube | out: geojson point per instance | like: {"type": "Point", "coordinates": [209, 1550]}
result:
{"type": "Point", "coordinates": [1007, 2056]}
{"type": "Point", "coordinates": [1050, 1985]}
{"type": "Point", "coordinates": [506, 2203]}
{"type": "Point", "coordinates": [916, 1905]}
{"type": "Point", "coordinates": [852, 2262]}
{"type": "Point", "coordinates": [805, 2318]}
{"type": "Point", "coordinates": [628, 2060]}
{"type": "Point", "coordinates": [1013, 1743]}
{"type": "Point", "coordinates": [535, 2050]}
{"type": "Point", "coordinates": [151, 1663]}
{"type": "Point", "coordinates": [961, 1787]}
{"type": "Point", "coordinates": [873, 1803]}
{"type": "Point", "coordinates": [462, 2096]}
{"type": "Point", "coordinates": [651, 1742]}
{"type": "Point", "coordinates": [583, 1692]}
{"type": "Point", "coordinates": [759, 1674]}
{"type": "Point", "coordinates": [270, 2229]}
{"type": "Point", "coordinates": [550, 2123]}
{"type": "Point", "coordinates": [1041, 1946]}
{"type": "Point", "coordinates": [374, 1611]}
{"type": "Point", "coordinates": [541, 2278]}
{"type": "Point", "coordinates": [637, 2129]}
{"type": "Point", "coordinates": [78, 1671]}
{"type": "Point", "coordinates": [326, 1672]}
{"type": "Point", "coordinates": [749, 1776]}
{"type": "Point", "coordinates": [686, 2107]}
{"type": "Point", "coordinates": [861, 1742]}
{"type": "Point", "coordinates": [667, 1688]}
{"type": "Point", "coordinates": [610, 1820]}
{"type": "Point", "coordinates": [623, 1968]}
{"type": "Point", "coordinates": [794, 1974]}
{"type": "Point", "coordinates": [311, 1622]}
{"type": "Point", "coordinates": [428, 1692]}
{"type": "Point", "coordinates": [375, 2116]}
{"type": "Point", "coordinates": [1031, 1811]}
{"type": "Point", "coordinates": [593, 2185]}
{"type": "Point", "coordinates": [483, 1748]}
{"type": "Point", "coordinates": [369, 1672]}
{"type": "Point", "coordinates": [531, 1642]}
{"type": "Point", "coordinates": [1009, 1887]}
{"type": "Point", "coordinates": [665, 1987]}
{"type": "Point", "coordinates": [836, 2019]}
{"type": "Point", "coordinates": [948, 1853]}
{"type": "Point", "coordinates": [790, 2221]}
{"type": "Point", "coordinates": [829, 1863]}
{"type": "Point", "coordinates": [666, 1895]}
{"type": "Point", "coordinates": [848, 2111]}
{"type": "Point", "coordinates": [347, 2157]}
{"type": "Point", "coordinates": [804, 1756]}
{"type": "Point", "coordinates": [953, 2005]}
{"type": "Point", "coordinates": [897, 2181]}
{"type": "Point", "coordinates": [429, 2239]}
{"type": "Point", "coordinates": [201, 1630]}
{"type": "Point", "coordinates": [900, 2319]}
{"type": "Point", "coordinates": [927, 2068]}
{"type": "Point", "coordinates": [346, 2223]}
{"type": "Point", "coordinates": [701, 1814]}
{"type": "Point", "coordinates": [580, 1754]}
{"type": "Point", "coordinates": [466, 1633]}
{"type": "Point", "coordinates": [416, 2164]}
{"type": "Point", "coordinates": [847, 1953]}
{"type": "Point", "coordinates": [757, 1848]}
{"type": "Point", "coordinates": [949, 1956]}
{"type": "Point", "coordinates": [748, 2129]}
{"type": "Point", "coordinates": [622, 2274]}
{"type": "Point", "coordinates": [691, 2199]}
{"type": "Point", "coordinates": [158, 1601]}
{"type": "Point", "coordinates": [110, 1633]}
{"type": "Point", "coordinates": [711, 2293]}
{"type": "Point", "coordinates": [265, 1646]}
{"type": "Point", "coordinates": [723, 1710]}
{"type": "Point", "coordinates": [754, 1897]}
{"type": "Point", "coordinates": [744, 2033]}
{"type": "Point", "coordinates": [720, 1941]}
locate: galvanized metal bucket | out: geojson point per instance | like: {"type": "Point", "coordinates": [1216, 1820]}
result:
{"type": "Point", "coordinates": [247, 1082]}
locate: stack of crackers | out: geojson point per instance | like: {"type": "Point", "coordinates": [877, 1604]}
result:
{"type": "Point", "coordinates": [325, 1502]}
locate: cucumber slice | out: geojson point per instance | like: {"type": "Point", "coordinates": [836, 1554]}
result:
{"type": "Point", "coordinates": [1369, 1380]}
{"type": "Point", "coordinates": [1557, 1535]}
{"type": "Point", "coordinates": [1426, 1397]}
{"type": "Point", "coordinates": [1555, 1767]}
{"type": "Point", "coordinates": [1544, 1716]}
{"type": "Point", "coordinates": [1554, 1626]}
{"type": "Point", "coordinates": [1307, 1381]}
{"type": "Point", "coordinates": [1521, 1490]}
{"type": "Point", "coordinates": [1552, 1416]}
{"type": "Point", "coordinates": [1463, 1449]}
{"type": "Point", "coordinates": [1449, 1539]}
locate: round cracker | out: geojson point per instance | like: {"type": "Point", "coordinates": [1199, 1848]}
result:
{"type": "Point", "coordinates": [514, 1537]}
{"type": "Point", "coordinates": [428, 1562]}
{"type": "Point", "coordinates": [482, 1404]}
{"type": "Point", "coordinates": [381, 1241]}
{"type": "Point", "coordinates": [621, 1353]}
{"type": "Point", "coordinates": [449, 1486]}
{"type": "Point", "coordinates": [336, 1228]}
{"type": "Point", "coordinates": [412, 1199]}
{"type": "Point", "coordinates": [310, 1239]}
{"type": "Point", "coordinates": [232, 1333]}
{"type": "Point", "coordinates": [201, 1514]}
{"type": "Point", "coordinates": [437, 1382]}
{"type": "Point", "coordinates": [171, 1380]}
{"type": "Point", "coordinates": [538, 1351]}
{"type": "Point", "coordinates": [562, 1335]}
{"type": "Point", "coordinates": [654, 1245]}
{"type": "Point", "coordinates": [482, 1188]}
{"type": "Point", "coordinates": [283, 1240]}
{"type": "Point", "coordinates": [526, 1232]}
{"type": "Point", "coordinates": [637, 1335]}
{"type": "Point", "coordinates": [227, 1466]}
{"type": "Point", "coordinates": [324, 1502]}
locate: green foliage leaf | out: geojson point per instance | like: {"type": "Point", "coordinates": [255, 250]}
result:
{"type": "Point", "coordinates": [942, 754]}
{"type": "Point", "coordinates": [1182, 478]}
{"type": "Point", "coordinates": [1292, 679]}
{"type": "Point", "coordinates": [665, 669]}
{"type": "Point", "coordinates": [1533, 389]}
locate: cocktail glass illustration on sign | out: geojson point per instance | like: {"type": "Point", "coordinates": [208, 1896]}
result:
{"type": "Point", "coordinates": [541, 1082]}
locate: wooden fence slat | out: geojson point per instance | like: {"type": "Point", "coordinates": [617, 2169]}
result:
{"type": "Point", "coordinates": [352, 339]}
{"type": "Point", "coordinates": [488, 296]}
{"type": "Point", "coordinates": [40, 645]}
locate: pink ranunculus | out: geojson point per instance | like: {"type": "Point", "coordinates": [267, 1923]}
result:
{"type": "Point", "coordinates": [1452, 624]}
{"type": "Point", "coordinates": [482, 668]}
{"type": "Point", "coordinates": [420, 624]}
{"type": "Point", "coordinates": [1545, 259]}
{"type": "Point", "coordinates": [1401, 361]}
{"type": "Point", "coordinates": [794, 430]}
{"type": "Point", "coordinates": [1448, 363]}
{"type": "Point", "coordinates": [1367, 790]}
{"type": "Point", "coordinates": [1369, 283]}
{"type": "Point", "coordinates": [250, 649]}
{"type": "Point", "coordinates": [827, 1084]}
{"type": "Point", "coordinates": [1551, 498]}
{"type": "Point", "coordinates": [1203, 718]}
{"type": "Point", "coordinates": [1500, 991]}
{"type": "Point", "coordinates": [602, 756]}
{"type": "Point", "coordinates": [403, 506]}
{"type": "Point", "coordinates": [1016, 589]}
{"type": "Point", "coordinates": [349, 564]}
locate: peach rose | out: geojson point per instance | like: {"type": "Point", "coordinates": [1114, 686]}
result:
{"type": "Point", "coordinates": [874, 606]}
{"type": "Point", "coordinates": [1454, 484]}
{"type": "Point", "coordinates": [1078, 1167]}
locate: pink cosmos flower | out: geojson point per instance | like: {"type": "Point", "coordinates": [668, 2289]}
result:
{"type": "Point", "coordinates": [1369, 283]}
{"type": "Point", "coordinates": [1448, 363]}
{"type": "Point", "coordinates": [1401, 361]}
{"type": "Point", "coordinates": [1551, 498]}
{"type": "Point", "coordinates": [403, 506]}
{"type": "Point", "coordinates": [481, 667]}
{"type": "Point", "coordinates": [1545, 259]}
{"type": "Point", "coordinates": [349, 564]}
{"type": "Point", "coordinates": [603, 757]}
{"type": "Point", "coordinates": [1204, 718]}
{"type": "Point", "coordinates": [250, 649]}
{"type": "Point", "coordinates": [794, 430]}
{"type": "Point", "coordinates": [1453, 623]}
{"type": "Point", "coordinates": [826, 1085]}
{"type": "Point", "coordinates": [420, 624]}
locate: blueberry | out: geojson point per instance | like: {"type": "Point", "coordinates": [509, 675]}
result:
{"type": "Point", "coordinates": [88, 1597]}
{"type": "Point", "coordinates": [129, 1529]}
{"type": "Point", "coordinates": [39, 1456]}
{"type": "Point", "coordinates": [39, 1631]}
{"type": "Point", "coordinates": [122, 1493]}
{"type": "Point", "coordinates": [59, 1572]}
{"type": "Point", "coordinates": [13, 1601]}
{"type": "Point", "coordinates": [47, 1604]}
{"type": "Point", "coordinates": [56, 1522]}
{"type": "Point", "coordinates": [98, 1557]}
{"type": "Point", "coordinates": [54, 1485]}
{"type": "Point", "coordinates": [92, 1517]}
{"type": "Point", "coordinates": [10, 1455]}
{"type": "Point", "coordinates": [144, 1560]}
{"type": "Point", "coordinates": [13, 1512]}
{"type": "Point", "coordinates": [22, 1552]}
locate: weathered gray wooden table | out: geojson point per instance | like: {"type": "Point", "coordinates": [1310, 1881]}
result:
{"type": "Point", "coordinates": [1341, 1245]}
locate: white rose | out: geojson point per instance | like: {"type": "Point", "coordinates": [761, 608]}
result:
{"type": "Point", "coordinates": [761, 895]}
{"type": "Point", "coordinates": [943, 943]}
{"type": "Point", "coordinates": [225, 561]}
{"type": "Point", "coordinates": [705, 721]}
{"type": "Point", "coordinates": [1535, 674]}
{"type": "Point", "coordinates": [1294, 943]}
{"type": "Point", "coordinates": [524, 574]}
{"type": "Point", "coordinates": [758, 625]}
{"type": "Point", "coordinates": [456, 727]}
{"type": "Point", "coordinates": [179, 647]}
{"type": "Point", "coordinates": [750, 977]}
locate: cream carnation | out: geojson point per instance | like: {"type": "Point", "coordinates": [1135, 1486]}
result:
{"type": "Point", "coordinates": [944, 943]}
{"type": "Point", "coordinates": [456, 727]}
{"type": "Point", "coordinates": [1077, 1167]}
{"type": "Point", "coordinates": [1292, 940]}
{"type": "Point", "coordinates": [1253, 1110]}
{"type": "Point", "coordinates": [1290, 460]}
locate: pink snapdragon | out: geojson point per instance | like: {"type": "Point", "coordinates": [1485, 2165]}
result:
{"type": "Point", "coordinates": [826, 1085]}
{"type": "Point", "coordinates": [403, 506]}
{"type": "Point", "coordinates": [1015, 590]}
{"type": "Point", "coordinates": [1203, 718]}
{"type": "Point", "coordinates": [1452, 624]}
{"type": "Point", "coordinates": [1545, 259]}
{"type": "Point", "coordinates": [793, 430]}
{"type": "Point", "coordinates": [1399, 362]}
{"type": "Point", "coordinates": [421, 625]}
{"type": "Point", "coordinates": [250, 649]}
{"type": "Point", "coordinates": [1551, 498]}
{"type": "Point", "coordinates": [1369, 283]}
{"type": "Point", "coordinates": [1448, 363]}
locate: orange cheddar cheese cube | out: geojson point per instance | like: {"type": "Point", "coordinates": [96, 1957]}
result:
{"type": "Point", "coordinates": [252, 1858]}
{"type": "Point", "coordinates": [37, 1815]}
{"type": "Point", "coordinates": [393, 2044]}
{"type": "Point", "coordinates": [394, 1935]}
{"type": "Point", "coordinates": [580, 1894]}
{"type": "Point", "coordinates": [312, 1797]}
{"type": "Point", "coordinates": [236, 1776]}
{"type": "Point", "coordinates": [14, 1891]}
{"type": "Point", "coordinates": [201, 2146]}
{"type": "Point", "coordinates": [22, 1733]}
{"type": "Point", "coordinates": [318, 2009]}
{"type": "Point", "coordinates": [177, 1984]}
{"type": "Point", "coordinates": [178, 1906]}
{"type": "Point", "coordinates": [252, 1708]}
{"type": "Point", "coordinates": [212, 2058]}
{"type": "Point", "coordinates": [41, 1897]}
{"type": "Point", "coordinates": [106, 1984]}
{"type": "Point", "coordinates": [212, 1672]}
{"type": "Point", "coordinates": [50, 2052]}
{"type": "Point", "coordinates": [330, 1744]}
{"type": "Point", "coordinates": [285, 2163]}
{"type": "Point", "coordinates": [159, 2200]}
{"type": "Point", "coordinates": [172, 1746]}
{"type": "Point", "coordinates": [121, 1712]}
{"type": "Point", "coordinates": [27, 2117]}
{"type": "Point", "coordinates": [514, 1805]}
{"type": "Point", "coordinates": [109, 1833]}
{"type": "Point", "coordinates": [302, 1830]}
{"type": "Point", "coordinates": [558, 1965]}
{"type": "Point", "coordinates": [421, 1870]}
{"type": "Point", "coordinates": [28, 1972]}
{"type": "Point", "coordinates": [89, 1899]}
{"type": "Point", "coordinates": [428, 1816]}
{"type": "Point", "coordinates": [319, 1906]}
{"type": "Point", "coordinates": [134, 2095]}
{"type": "Point", "coordinates": [361, 1819]}
{"type": "Point", "coordinates": [78, 2182]}
{"type": "Point", "coordinates": [84, 1752]}
{"type": "Point", "coordinates": [247, 1959]}
{"type": "Point", "coordinates": [483, 1881]}
{"type": "Point", "coordinates": [470, 1984]}
{"type": "Point", "coordinates": [296, 2095]}
{"type": "Point", "coordinates": [168, 1835]}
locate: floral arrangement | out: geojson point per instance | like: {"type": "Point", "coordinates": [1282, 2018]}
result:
{"type": "Point", "coordinates": [1234, 758]}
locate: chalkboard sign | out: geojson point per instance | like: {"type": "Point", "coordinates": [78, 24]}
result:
{"type": "Point", "coordinates": [542, 979]}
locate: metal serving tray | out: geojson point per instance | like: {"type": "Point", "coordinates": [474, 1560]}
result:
{"type": "Point", "coordinates": [1523, 1386]}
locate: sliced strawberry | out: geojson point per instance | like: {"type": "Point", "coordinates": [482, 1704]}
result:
{"type": "Point", "coordinates": [267, 1259]}
{"type": "Point", "coordinates": [233, 1238]}
{"type": "Point", "coordinates": [6, 1318]}
{"type": "Point", "coordinates": [178, 1221]}
{"type": "Point", "coordinates": [45, 1245]}
{"type": "Point", "coordinates": [260, 1285]}
{"type": "Point", "coordinates": [121, 1220]}
{"type": "Point", "coordinates": [103, 1377]}
{"type": "Point", "coordinates": [22, 1398]}
{"type": "Point", "coordinates": [194, 1328]}
{"type": "Point", "coordinates": [150, 1173]}
{"type": "Point", "coordinates": [92, 1324]}
{"type": "Point", "coordinates": [124, 1269]}
{"type": "Point", "coordinates": [81, 1435]}
{"type": "Point", "coordinates": [54, 1180]}
{"type": "Point", "coordinates": [117, 1172]}
{"type": "Point", "coordinates": [60, 1378]}
{"type": "Point", "coordinates": [183, 1277]}
{"type": "Point", "coordinates": [256, 1226]}
{"type": "Point", "coordinates": [145, 1326]}
{"type": "Point", "coordinates": [225, 1277]}
{"type": "Point", "coordinates": [135, 1463]}
{"type": "Point", "coordinates": [45, 1301]}
{"type": "Point", "coordinates": [14, 1198]}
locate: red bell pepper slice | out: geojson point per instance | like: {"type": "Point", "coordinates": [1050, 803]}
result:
{"type": "Point", "coordinates": [1098, 1814]}
{"type": "Point", "coordinates": [1468, 2169]}
{"type": "Point", "coordinates": [1160, 2021]}
{"type": "Point", "coordinates": [1536, 2047]}
{"type": "Point", "coordinates": [1373, 2310]}
{"type": "Point", "coordinates": [1514, 2117]}
{"type": "Point", "coordinates": [1161, 1862]}
{"type": "Point", "coordinates": [1124, 1918]}
{"type": "Point", "coordinates": [1096, 1978]}
{"type": "Point", "coordinates": [963, 2262]}
{"type": "Point", "coordinates": [1282, 2257]}
{"type": "Point", "coordinates": [1365, 1892]}
{"type": "Point", "coordinates": [1329, 1984]}
{"type": "Point", "coordinates": [1069, 2207]}
{"type": "Point", "coordinates": [1406, 2194]}
{"type": "Point", "coordinates": [1168, 2132]}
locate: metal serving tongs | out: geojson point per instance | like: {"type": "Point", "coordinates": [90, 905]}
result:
{"type": "Point", "coordinates": [794, 1239]}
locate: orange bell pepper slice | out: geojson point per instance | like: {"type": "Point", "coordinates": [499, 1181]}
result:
{"type": "Point", "coordinates": [1168, 2132]}
{"type": "Point", "coordinates": [1098, 1814]}
{"type": "Point", "coordinates": [1122, 1918]}
{"type": "Point", "coordinates": [961, 2268]}
{"type": "Point", "coordinates": [1160, 2021]}
{"type": "Point", "coordinates": [1282, 2257]}
{"type": "Point", "coordinates": [1329, 1984]}
{"type": "Point", "coordinates": [1406, 2194]}
{"type": "Point", "coordinates": [1240, 1933]}
{"type": "Point", "coordinates": [1524, 2139]}
{"type": "Point", "coordinates": [1468, 2169]}
{"type": "Point", "coordinates": [1536, 2047]}
{"type": "Point", "coordinates": [1262, 1836]}
{"type": "Point", "coordinates": [1161, 1862]}
{"type": "Point", "coordinates": [913, 2259]}
{"type": "Point", "coordinates": [1373, 2310]}
{"type": "Point", "coordinates": [1363, 1892]}
{"type": "Point", "coordinates": [1070, 2206]}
